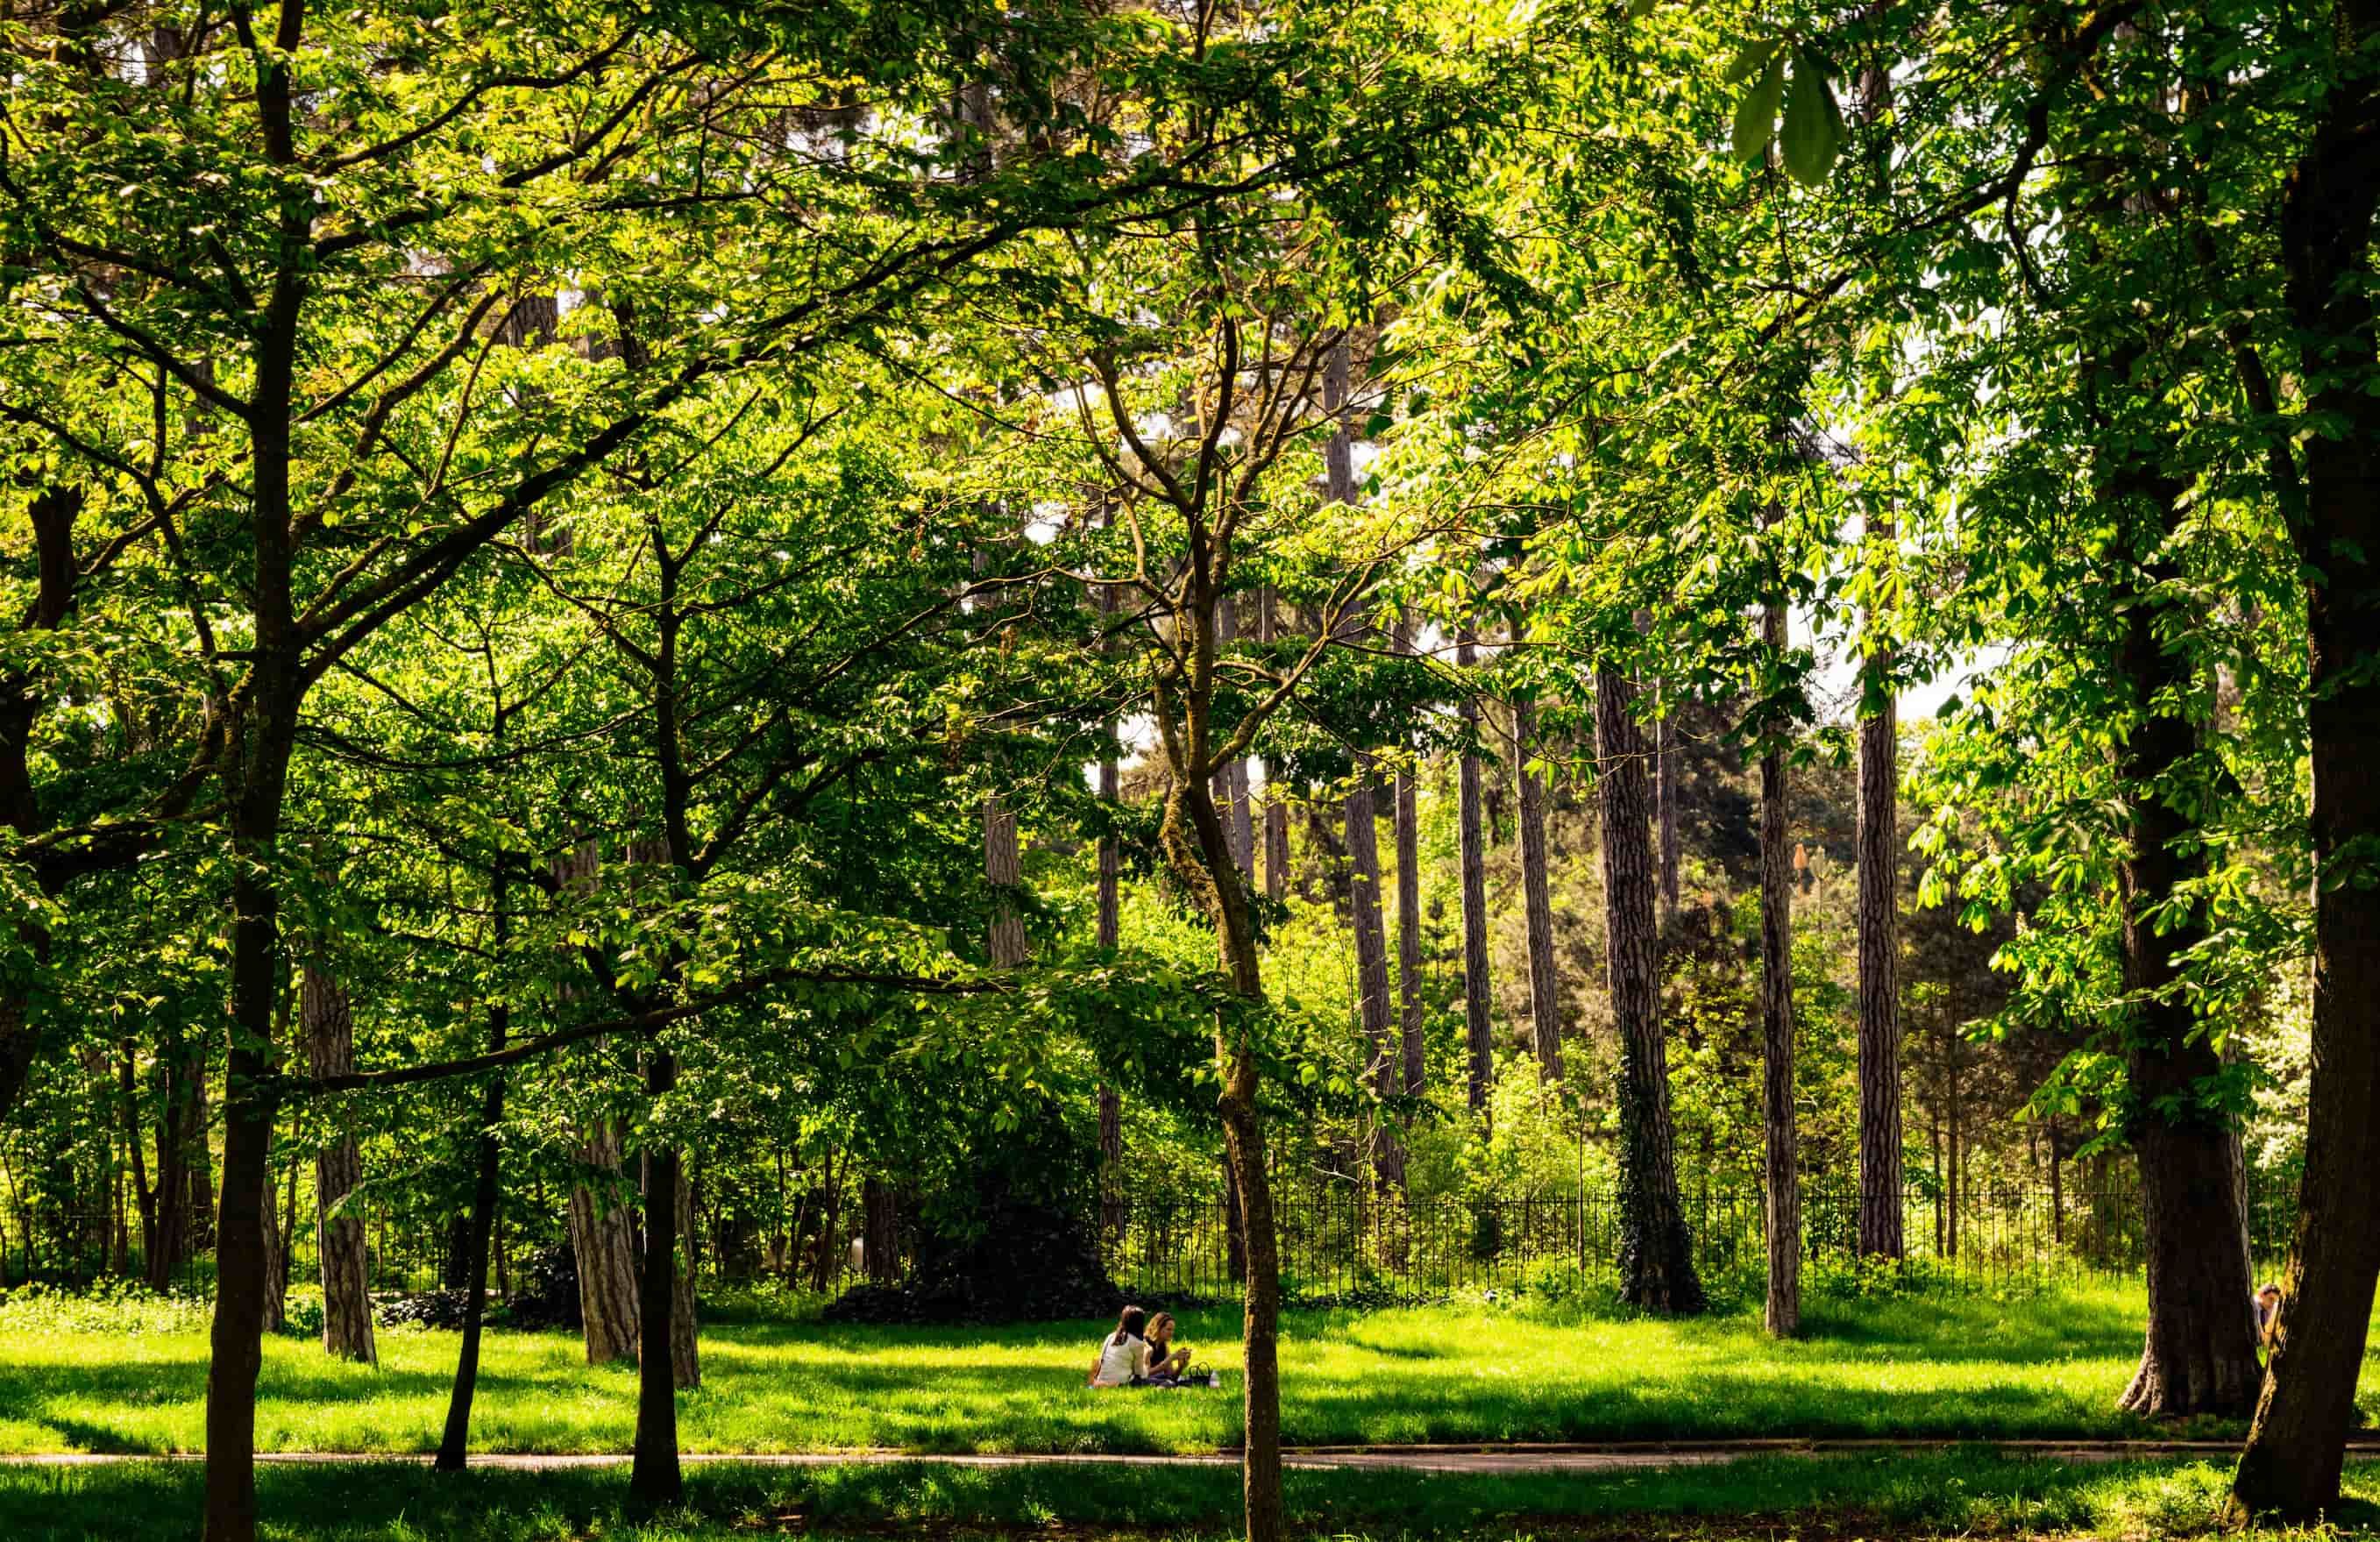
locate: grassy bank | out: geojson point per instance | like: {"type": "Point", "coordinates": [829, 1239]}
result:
{"type": "Point", "coordinates": [135, 1380]}
{"type": "Point", "coordinates": [1966, 1493]}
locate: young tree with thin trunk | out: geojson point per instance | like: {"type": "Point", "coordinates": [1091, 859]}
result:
{"type": "Point", "coordinates": [1407, 821]}
{"type": "Point", "coordinates": [1536, 901]}
{"type": "Point", "coordinates": [1782, 1174]}
{"type": "Point", "coordinates": [1372, 966]}
{"type": "Point", "coordinates": [1478, 1027]}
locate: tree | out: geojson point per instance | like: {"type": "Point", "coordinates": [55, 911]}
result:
{"type": "Point", "coordinates": [1545, 979]}
{"type": "Point", "coordinates": [339, 1178]}
{"type": "Point", "coordinates": [1781, 1185]}
{"type": "Point", "coordinates": [1657, 1265]}
{"type": "Point", "coordinates": [1478, 1028]}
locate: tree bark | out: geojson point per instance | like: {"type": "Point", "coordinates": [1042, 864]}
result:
{"type": "Point", "coordinates": [602, 1234]}
{"type": "Point", "coordinates": [879, 1226]}
{"type": "Point", "coordinates": [273, 1318]}
{"type": "Point", "coordinates": [455, 1443]}
{"type": "Point", "coordinates": [1372, 966]}
{"type": "Point", "coordinates": [1657, 1265]}
{"type": "Point", "coordinates": [2199, 1355]}
{"type": "Point", "coordinates": [338, 1174]}
{"type": "Point", "coordinates": [1407, 821]}
{"type": "Point", "coordinates": [1478, 1027]}
{"type": "Point", "coordinates": [1545, 982]}
{"type": "Point", "coordinates": [654, 1478]}
{"type": "Point", "coordinates": [1003, 869]}
{"type": "Point", "coordinates": [1276, 808]}
{"type": "Point", "coordinates": [1668, 764]}
{"type": "Point", "coordinates": [2297, 1447]}
{"type": "Point", "coordinates": [1783, 1178]}
{"type": "Point", "coordinates": [1110, 1103]}
{"type": "Point", "coordinates": [1881, 1178]}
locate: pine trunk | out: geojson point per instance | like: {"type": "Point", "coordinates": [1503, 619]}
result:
{"type": "Point", "coordinates": [329, 1026]}
{"type": "Point", "coordinates": [1478, 1027]}
{"type": "Point", "coordinates": [1881, 1180]}
{"type": "Point", "coordinates": [1545, 983]}
{"type": "Point", "coordinates": [1657, 1265]}
{"type": "Point", "coordinates": [1003, 870]}
{"type": "Point", "coordinates": [273, 1318]}
{"type": "Point", "coordinates": [1782, 1179]}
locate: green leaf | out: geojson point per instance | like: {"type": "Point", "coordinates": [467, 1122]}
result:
{"type": "Point", "coordinates": [1813, 124]}
{"type": "Point", "coordinates": [1749, 61]}
{"type": "Point", "coordinates": [1756, 114]}
{"type": "Point", "coordinates": [1639, 9]}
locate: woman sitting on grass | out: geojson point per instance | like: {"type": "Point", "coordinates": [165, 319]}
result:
{"type": "Point", "coordinates": [1122, 1353]}
{"type": "Point", "coordinates": [1166, 1366]}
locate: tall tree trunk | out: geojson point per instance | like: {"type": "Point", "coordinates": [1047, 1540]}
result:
{"type": "Point", "coordinates": [1003, 869]}
{"type": "Point", "coordinates": [273, 1317]}
{"type": "Point", "coordinates": [1406, 819]}
{"type": "Point", "coordinates": [1478, 1027]}
{"type": "Point", "coordinates": [330, 1031]}
{"type": "Point", "coordinates": [1276, 810]}
{"type": "Point", "coordinates": [1536, 901]}
{"type": "Point", "coordinates": [1667, 766]}
{"type": "Point", "coordinates": [879, 1227]}
{"type": "Point", "coordinates": [1881, 1180]}
{"type": "Point", "coordinates": [1372, 966]}
{"type": "Point", "coordinates": [2199, 1355]}
{"type": "Point", "coordinates": [684, 1342]}
{"type": "Point", "coordinates": [602, 1234]}
{"type": "Point", "coordinates": [172, 1243]}
{"type": "Point", "coordinates": [455, 1444]}
{"type": "Point", "coordinates": [1111, 1110]}
{"type": "Point", "coordinates": [653, 1475]}
{"type": "Point", "coordinates": [1657, 1264]}
{"type": "Point", "coordinates": [1783, 1184]}
{"type": "Point", "coordinates": [2297, 1447]}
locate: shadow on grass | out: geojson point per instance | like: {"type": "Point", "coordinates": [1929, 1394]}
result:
{"type": "Point", "coordinates": [1958, 1492]}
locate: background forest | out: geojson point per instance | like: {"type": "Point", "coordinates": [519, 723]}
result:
{"type": "Point", "coordinates": [956, 655]}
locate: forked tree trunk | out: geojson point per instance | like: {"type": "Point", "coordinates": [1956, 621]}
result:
{"type": "Point", "coordinates": [602, 1234]}
{"type": "Point", "coordinates": [1783, 1178]}
{"type": "Point", "coordinates": [1657, 1265]}
{"type": "Point", "coordinates": [329, 1026]}
{"type": "Point", "coordinates": [1536, 901]}
{"type": "Point", "coordinates": [1881, 1178]}
{"type": "Point", "coordinates": [2297, 1448]}
{"type": "Point", "coordinates": [1372, 966]}
{"type": "Point", "coordinates": [1478, 1027]}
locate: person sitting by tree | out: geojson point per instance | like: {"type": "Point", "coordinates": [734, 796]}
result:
{"type": "Point", "coordinates": [1122, 1353]}
{"type": "Point", "coordinates": [2268, 1314]}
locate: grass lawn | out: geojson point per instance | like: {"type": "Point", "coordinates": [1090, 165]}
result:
{"type": "Point", "coordinates": [132, 1377]}
{"type": "Point", "coordinates": [1965, 1493]}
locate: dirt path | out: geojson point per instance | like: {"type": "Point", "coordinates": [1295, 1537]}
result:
{"type": "Point", "coordinates": [1472, 1459]}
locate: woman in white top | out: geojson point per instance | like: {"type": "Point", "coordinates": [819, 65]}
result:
{"type": "Point", "coordinates": [1118, 1361]}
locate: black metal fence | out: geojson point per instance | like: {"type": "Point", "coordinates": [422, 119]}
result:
{"type": "Point", "coordinates": [1341, 1242]}
{"type": "Point", "coordinates": [1349, 1245]}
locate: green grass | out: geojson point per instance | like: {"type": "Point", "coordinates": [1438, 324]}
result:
{"type": "Point", "coordinates": [1962, 1493]}
{"type": "Point", "coordinates": [133, 1379]}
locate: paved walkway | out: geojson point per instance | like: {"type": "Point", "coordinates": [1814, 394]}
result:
{"type": "Point", "coordinates": [1475, 1458]}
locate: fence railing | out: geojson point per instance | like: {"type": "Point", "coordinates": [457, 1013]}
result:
{"type": "Point", "coordinates": [1346, 1242]}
